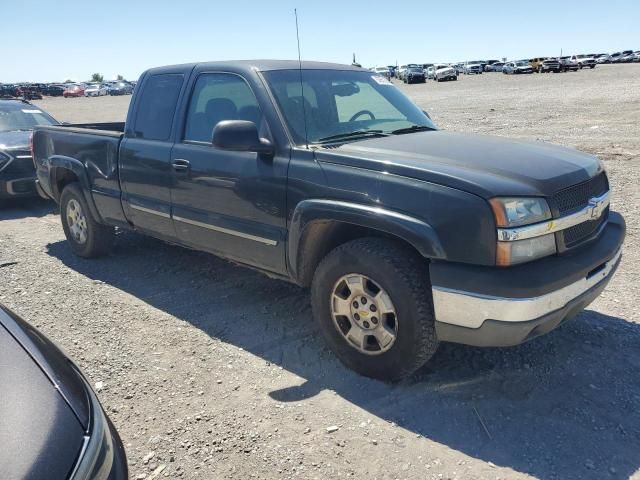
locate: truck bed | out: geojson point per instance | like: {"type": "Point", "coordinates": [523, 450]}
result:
{"type": "Point", "coordinates": [112, 129]}
{"type": "Point", "coordinates": [90, 151]}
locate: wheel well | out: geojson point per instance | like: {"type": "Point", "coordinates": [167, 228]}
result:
{"type": "Point", "coordinates": [320, 237]}
{"type": "Point", "coordinates": [62, 178]}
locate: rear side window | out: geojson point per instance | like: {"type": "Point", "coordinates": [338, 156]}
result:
{"type": "Point", "coordinates": [157, 106]}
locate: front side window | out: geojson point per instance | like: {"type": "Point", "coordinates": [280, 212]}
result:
{"type": "Point", "coordinates": [157, 106]}
{"type": "Point", "coordinates": [342, 102]}
{"type": "Point", "coordinates": [217, 97]}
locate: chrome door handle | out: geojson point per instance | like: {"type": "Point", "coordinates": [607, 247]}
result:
{"type": "Point", "coordinates": [181, 165]}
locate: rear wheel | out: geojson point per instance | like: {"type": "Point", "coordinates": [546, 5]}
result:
{"type": "Point", "coordinates": [371, 298]}
{"type": "Point", "coordinates": [85, 235]}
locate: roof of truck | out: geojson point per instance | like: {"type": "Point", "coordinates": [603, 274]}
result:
{"type": "Point", "coordinates": [260, 65]}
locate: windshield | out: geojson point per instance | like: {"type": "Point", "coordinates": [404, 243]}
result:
{"type": "Point", "coordinates": [438, 67]}
{"type": "Point", "coordinates": [22, 116]}
{"type": "Point", "coordinates": [337, 102]}
{"type": "Point", "coordinates": [522, 63]}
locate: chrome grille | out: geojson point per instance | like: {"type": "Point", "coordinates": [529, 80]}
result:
{"type": "Point", "coordinates": [21, 163]}
{"type": "Point", "coordinates": [575, 235]}
{"type": "Point", "coordinates": [576, 197]}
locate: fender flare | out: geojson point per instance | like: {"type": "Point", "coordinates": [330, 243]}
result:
{"type": "Point", "coordinates": [75, 166]}
{"type": "Point", "coordinates": [414, 231]}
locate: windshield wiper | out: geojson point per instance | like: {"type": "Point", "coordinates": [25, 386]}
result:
{"type": "Point", "coordinates": [411, 129]}
{"type": "Point", "coordinates": [357, 133]}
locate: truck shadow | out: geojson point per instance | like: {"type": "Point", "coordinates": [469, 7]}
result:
{"type": "Point", "coordinates": [560, 407]}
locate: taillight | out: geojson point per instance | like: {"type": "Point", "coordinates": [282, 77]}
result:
{"type": "Point", "coordinates": [33, 157]}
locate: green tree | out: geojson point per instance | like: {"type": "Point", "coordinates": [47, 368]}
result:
{"type": "Point", "coordinates": [119, 77]}
{"type": "Point", "coordinates": [96, 77]}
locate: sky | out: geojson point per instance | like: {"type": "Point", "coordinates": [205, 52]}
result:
{"type": "Point", "coordinates": [56, 40]}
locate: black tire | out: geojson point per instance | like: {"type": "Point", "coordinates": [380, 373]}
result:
{"type": "Point", "coordinates": [404, 275]}
{"type": "Point", "coordinates": [99, 238]}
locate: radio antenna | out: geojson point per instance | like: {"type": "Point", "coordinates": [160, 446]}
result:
{"type": "Point", "coordinates": [304, 112]}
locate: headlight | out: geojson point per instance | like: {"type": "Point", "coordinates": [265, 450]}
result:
{"type": "Point", "coordinates": [511, 212]}
{"type": "Point", "coordinates": [4, 160]}
{"type": "Point", "coordinates": [515, 211]}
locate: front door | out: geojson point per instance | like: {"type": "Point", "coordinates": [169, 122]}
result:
{"type": "Point", "coordinates": [228, 203]}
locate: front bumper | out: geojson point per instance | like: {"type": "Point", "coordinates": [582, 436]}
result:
{"type": "Point", "coordinates": [488, 306]}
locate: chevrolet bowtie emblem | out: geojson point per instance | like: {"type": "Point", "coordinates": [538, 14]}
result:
{"type": "Point", "coordinates": [596, 206]}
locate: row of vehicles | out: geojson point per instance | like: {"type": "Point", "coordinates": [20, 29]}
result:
{"type": "Point", "coordinates": [99, 89]}
{"type": "Point", "coordinates": [411, 72]}
{"type": "Point", "coordinates": [36, 91]}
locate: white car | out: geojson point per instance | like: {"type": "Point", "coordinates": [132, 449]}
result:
{"type": "Point", "coordinates": [473, 68]}
{"type": "Point", "coordinates": [96, 90]}
{"type": "Point", "coordinates": [443, 72]}
{"type": "Point", "coordinates": [384, 71]}
{"type": "Point", "coordinates": [584, 61]}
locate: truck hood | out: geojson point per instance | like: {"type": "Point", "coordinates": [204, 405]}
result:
{"type": "Point", "coordinates": [15, 139]}
{"type": "Point", "coordinates": [484, 165]}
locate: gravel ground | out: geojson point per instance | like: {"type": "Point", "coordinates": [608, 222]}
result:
{"type": "Point", "coordinates": [214, 371]}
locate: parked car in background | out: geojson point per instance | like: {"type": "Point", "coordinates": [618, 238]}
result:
{"type": "Point", "coordinates": [584, 61]}
{"type": "Point", "coordinates": [473, 68]}
{"type": "Point", "coordinates": [627, 56]}
{"type": "Point", "coordinates": [545, 65]}
{"type": "Point", "coordinates": [636, 56]}
{"type": "Point", "coordinates": [567, 64]}
{"type": "Point", "coordinates": [414, 74]}
{"type": "Point", "coordinates": [53, 426]}
{"type": "Point", "coordinates": [466, 238]}
{"type": "Point", "coordinates": [443, 72]}
{"type": "Point", "coordinates": [459, 68]}
{"type": "Point", "coordinates": [8, 90]}
{"type": "Point", "coordinates": [615, 57]}
{"type": "Point", "coordinates": [73, 91]}
{"type": "Point", "coordinates": [602, 58]}
{"type": "Point", "coordinates": [53, 90]}
{"type": "Point", "coordinates": [494, 67]}
{"type": "Point", "coordinates": [29, 92]}
{"type": "Point", "coordinates": [17, 173]}
{"type": "Point", "coordinates": [384, 71]}
{"type": "Point", "coordinates": [120, 88]}
{"type": "Point", "coordinates": [96, 90]}
{"type": "Point", "coordinates": [489, 65]}
{"type": "Point", "coordinates": [517, 67]}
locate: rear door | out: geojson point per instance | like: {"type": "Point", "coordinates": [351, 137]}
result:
{"type": "Point", "coordinates": [228, 203]}
{"type": "Point", "coordinates": [145, 155]}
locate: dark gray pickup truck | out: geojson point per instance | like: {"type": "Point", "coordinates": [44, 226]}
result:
{"type": "Point", "coordinates": [329, 177]}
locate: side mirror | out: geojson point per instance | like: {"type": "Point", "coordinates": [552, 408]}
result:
{"type": "Point", "coordinates": [240, 136]}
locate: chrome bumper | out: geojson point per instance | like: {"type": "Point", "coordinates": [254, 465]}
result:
{"type": "Point", "coordinates": [469, 310]}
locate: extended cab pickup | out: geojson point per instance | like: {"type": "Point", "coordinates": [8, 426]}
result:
{"type": "Point", "coordinates": [329, 177]}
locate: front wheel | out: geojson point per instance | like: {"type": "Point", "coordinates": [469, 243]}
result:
{"type": "Point", "coordinates": [371, 298]}
{"type": "Point", "coordinates": [85, 235]}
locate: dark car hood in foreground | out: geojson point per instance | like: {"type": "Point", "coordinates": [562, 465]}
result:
{"type": "Point", "coordinates": [43, 406]}
{"type": "Point", "coordinates": [484, 165]}
{"type": "Point", "coordinates": [15, 139]}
